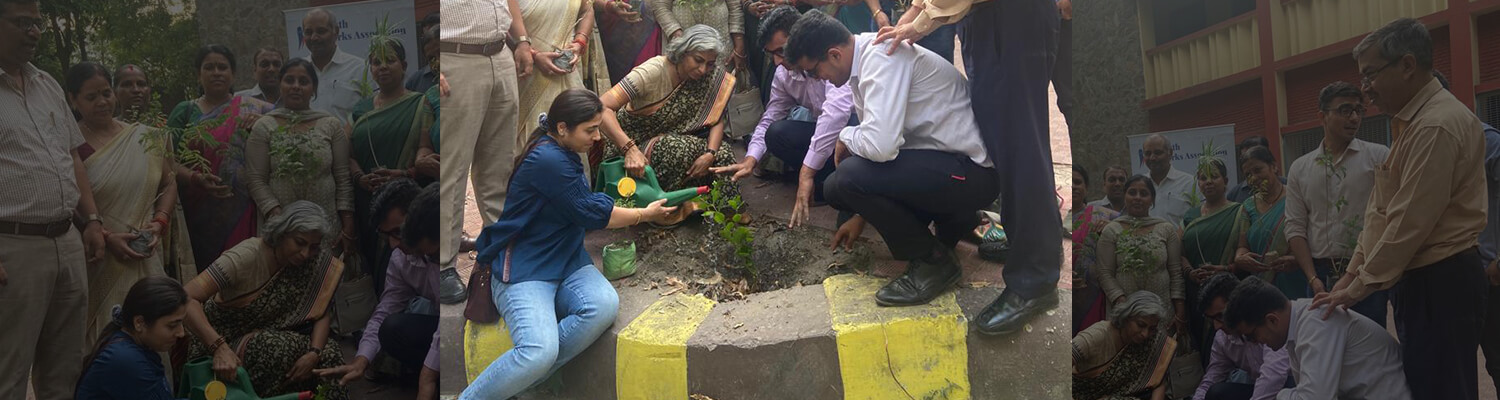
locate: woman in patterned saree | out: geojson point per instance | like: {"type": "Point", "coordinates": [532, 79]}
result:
{"type": "Point", "coordinates": [669, 113]}
{"type": "Point", "coordinates": [557, 26]}
{"type": "Point", "coordinates": [264, 305]}
{"type": "Point", "coordinates": [216, 204]}
{"type": "Point", "coordinates": [1088, 223]}
{"type": "Point", "coordinates": [1125, 357]}
{"type": "Point", "coordinates": [1263, 248]}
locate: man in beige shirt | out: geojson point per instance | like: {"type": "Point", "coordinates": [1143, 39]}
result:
{"type": "Point", "coordinates": [1010, 49]}
{"type": "Point", "coordinates": [43, 191]}
{"type": "Point", "coordinates": [1327, 191]}
{"type": "Point", "coordinates": [1425, 214]}
{"type": "Point", "coordinates": [484, 50]}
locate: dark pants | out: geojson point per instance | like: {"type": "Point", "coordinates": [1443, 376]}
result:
{"type": "Point", "coordinates": [788, 140]}
{"type": "Point", "coordinates": [1438, 321]}
{"type": "Point", "coordinates": [407, 337]}
{"type": "Point", "coordinates": [1490, 340]}
{"type": "Point", "coordinates": [1009, 50]}
{"type": "Point", "coordinates": [1372, 307]}
{"type": "Point", "coordinates": [1230, 391]}
{"type": "Point", "coordinates": [1062, 73]}
{"type": "Point", "coordinates": [901, 197]}
{"type": "Point", "coordinates": [940, 41]}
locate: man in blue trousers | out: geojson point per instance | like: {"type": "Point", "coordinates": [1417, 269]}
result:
{"type": "Point", "coordinates": [1009, 49]}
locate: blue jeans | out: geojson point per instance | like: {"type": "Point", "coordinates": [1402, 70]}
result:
{"type": "Point", "coordinates": [550, 323]}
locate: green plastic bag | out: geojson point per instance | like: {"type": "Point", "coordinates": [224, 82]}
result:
{"type": "Point", "coordinates": [619, 259]}
{"type": "Point", "coordinates": [197, 374]}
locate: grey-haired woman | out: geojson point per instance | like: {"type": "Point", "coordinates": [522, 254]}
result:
{"type": "Point", "coordinates": [669, 113]}
{"type": "Point", "coordinates": [250, 307]}
{"type": "Point", "coordinates": [1126, 356]}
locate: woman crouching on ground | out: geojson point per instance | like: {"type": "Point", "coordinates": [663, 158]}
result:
{"type": "Point", "coordinates": [555, 301]}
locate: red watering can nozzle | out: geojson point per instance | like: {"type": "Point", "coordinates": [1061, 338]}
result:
{"type": "Point", "coordinates": [703, 189]}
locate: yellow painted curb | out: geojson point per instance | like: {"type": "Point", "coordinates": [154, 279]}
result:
{"type": "Point", "coordinates": [897, 352]}
{"type": "Point", "coordinates": [651, 353]}
{"type": "Point", "coordinates": [483, 343]}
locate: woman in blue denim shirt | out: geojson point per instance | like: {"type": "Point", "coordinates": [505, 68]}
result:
{"type": "Point", "coordinates": [552, 298]}
{"type": "Point", "coordinates": [125, 363]}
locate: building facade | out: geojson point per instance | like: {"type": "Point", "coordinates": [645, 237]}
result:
{"type": "Point", "coordinates": [1260, 64]}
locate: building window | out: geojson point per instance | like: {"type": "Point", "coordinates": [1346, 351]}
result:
{"type": "Point", "coordinates": [1374, 129]}
{"type": "Point", "coordinates": [1174, 19]}
{"type": "Point", "coordinates": [1488, 108]}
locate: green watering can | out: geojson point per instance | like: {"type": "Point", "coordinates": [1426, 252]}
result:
{"type": "Point", "coordinates": [617, 184]}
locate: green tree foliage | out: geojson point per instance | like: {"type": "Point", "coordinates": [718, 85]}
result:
{"type": "Point", "coordinates": [160, 36]}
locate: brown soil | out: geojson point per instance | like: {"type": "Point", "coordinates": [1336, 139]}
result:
{"type": "Point", "coordinates": [693, 259]}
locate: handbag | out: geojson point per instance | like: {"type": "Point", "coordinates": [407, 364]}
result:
{"type": "Point", "coordinates": [199, 373]}
{"type": "Point", "coordinates": [744, 109]}
{"type": "Point", "coordinates": [480, 307]}
{"type": "Point", "coordinates": [354, 301]}
{"type": "Point", "coordinates": [1186, 370]}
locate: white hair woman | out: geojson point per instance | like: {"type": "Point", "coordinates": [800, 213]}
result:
{"type": "Point", "coordinates": [669, 113]}
{"type": "Point", "coordinates": [1125, 355]}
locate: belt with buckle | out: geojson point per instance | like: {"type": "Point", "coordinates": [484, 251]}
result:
{"type": "Point", "coordinates": [487, 49]}
{"type": "Point", "coordinates": [49, 230]}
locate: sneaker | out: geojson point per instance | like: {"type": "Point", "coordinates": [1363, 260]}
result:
{"type": "Point", "coordinates": [450, 288]}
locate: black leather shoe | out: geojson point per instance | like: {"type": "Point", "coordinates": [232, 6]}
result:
{"type": "Point", "coordinates": [924, 280]}
{"type": "Point", "coordinates": [1010, 312]}
{"type": "Point", "coordinates": [451, 289]}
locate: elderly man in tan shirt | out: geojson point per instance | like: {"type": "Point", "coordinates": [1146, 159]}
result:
{"type": "Point", "coordinates": [43, 191]}
{"type": "Point", "coordinates": [1424, 217]}
{"type": "Point", "coordinates": [1010, 49]}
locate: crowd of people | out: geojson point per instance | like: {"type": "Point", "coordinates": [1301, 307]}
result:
{"type": "Point", "coordinates": [866, 108]}
{"type": "Point", "coordinates": [1282, 285]}
{"type": "Point", "coordinates": [136, 241]}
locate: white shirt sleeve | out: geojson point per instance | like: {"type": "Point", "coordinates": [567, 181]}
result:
{"type": "Point", "coordinates": [883, 86]}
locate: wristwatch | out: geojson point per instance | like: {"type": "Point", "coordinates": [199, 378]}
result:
{"type": "Point", "coordinates": [93, 218]}
{"type": "Point", "coordinates": [520, 39]}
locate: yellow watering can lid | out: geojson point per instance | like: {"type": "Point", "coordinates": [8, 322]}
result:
{"type": "Point", "coordinates": [627, 187]}
{"type": "Point", "coordinates": [215, 391]}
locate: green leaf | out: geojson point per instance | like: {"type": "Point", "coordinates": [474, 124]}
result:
{"type": "Point", "coordinates": [718, 218]}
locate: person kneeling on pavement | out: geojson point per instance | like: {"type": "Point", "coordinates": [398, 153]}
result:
{"type": "Point", "coordinates": [406, 216]}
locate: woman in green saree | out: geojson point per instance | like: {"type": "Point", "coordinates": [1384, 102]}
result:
{"type": "Point", "coordinates": [216, 204]}
{"type": "Point", "coordinates": [1125, 357]}
{"type": "Point", "coordinates": [1263, 248]}
{"type": "Point", "coordinates": [388, 128]}
{"type": "Point", "coordinates": [1208, 242]}
{"type": "Point", "coordinates": [670, 113]}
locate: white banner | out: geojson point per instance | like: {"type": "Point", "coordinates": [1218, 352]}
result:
{"type": "Point", "coordinates": [356, 22]}
{"type": "Point", "coordinates": [1187, 147]}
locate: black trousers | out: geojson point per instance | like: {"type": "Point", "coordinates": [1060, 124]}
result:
{"type": "Point", "coordinates": [1439, 315]}
{"type": "Point", "coordinates": [788, 140]}
{"type": "Point", "coordinates": [1489, 341]}
{"type": "Point", "coordinates": [1009, 49]}
{"type": "Point", "coordinates": [1062, 73]}
{"type": "Point", "coordinates": [407, 337]}
{"type": "Point", "coordinates": [1230, 391]}
{"type": "Point", "coordinates": [901, 197]}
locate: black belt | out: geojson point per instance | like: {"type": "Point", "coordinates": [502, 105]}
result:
{"type": "Point", "coordinates": [487, 49]}
{"type": "Point", "coordinates": [50, 229]}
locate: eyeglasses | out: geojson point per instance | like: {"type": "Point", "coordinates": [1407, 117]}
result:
{"type": "Point", "coordinates": [811, 73]}
{"type": "Point", "coordinates": [1370, 76]}
{"type": "Point", "coordinates": [1349, 110]}
{"type": "Point", "coordinates": [394, 233]}
{"type": "Point", "coordinates": [27, 24]}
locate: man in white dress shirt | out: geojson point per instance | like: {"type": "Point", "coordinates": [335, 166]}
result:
{"type": "Point", "coordinates": [916, 157]}
{"type": "Point", "coordinates": [339, 74]}
{"type": "Point", "coordinates": [1173, 187]}
{"type": "Point", "coordinates": [1327, 191]}
{"type": "Point", "coordinates": [1346, 356]}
